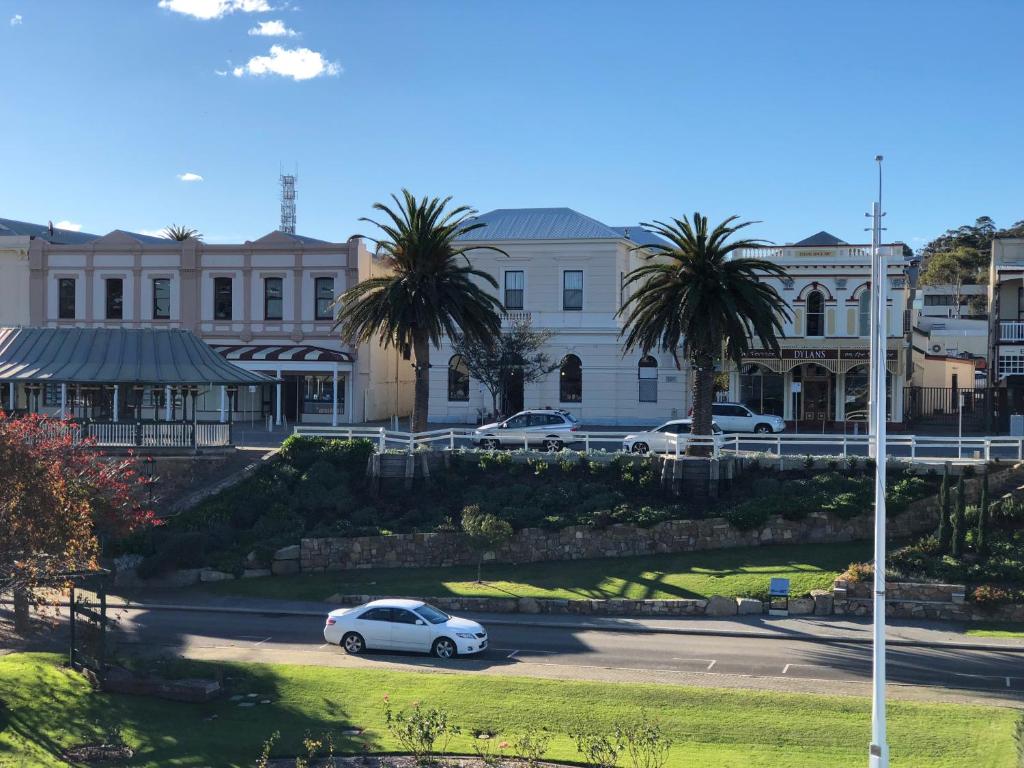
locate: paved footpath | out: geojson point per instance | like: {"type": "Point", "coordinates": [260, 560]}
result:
{"type": "Point", "coordinates": [926, 661]}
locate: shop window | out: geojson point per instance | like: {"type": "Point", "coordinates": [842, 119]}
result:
{"type": "Point", "coordinates": [858, 391]}
{"type": "Point", "coordinates": [762, 390]}
{"type": "Point", "coordinates": [570, 380]}
{"type": "Point", "coordinates": [318, 394]}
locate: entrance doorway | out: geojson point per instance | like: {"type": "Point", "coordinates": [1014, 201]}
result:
{"type": "Point", "coordinates": [512, 393]}
{"type": "Point", "coordinates": [290, 388]}
{"type": "Point", "coordinates": [816, 401]}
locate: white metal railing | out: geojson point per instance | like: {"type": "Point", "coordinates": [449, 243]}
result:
{"type": "Point", "coordinates": [112, 435]}
{"type": "Point", "coordinates": [915, 447]}
{"type": "Point", "coordinates": [1011, 330]}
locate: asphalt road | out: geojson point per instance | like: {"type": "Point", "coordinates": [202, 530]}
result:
{"type": "Point", "coordinates": [259, 637]}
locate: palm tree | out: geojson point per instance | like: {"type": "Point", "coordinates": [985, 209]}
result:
{"type": "Point", "coordinates": [429, 293]}
{"type": "Point", "coordinates": [174, 232]}
{"type": "Point", "coordinates": [695, 294]}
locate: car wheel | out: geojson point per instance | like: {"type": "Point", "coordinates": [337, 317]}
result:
{"type": "Point", "coordinates": [641, 448]}
{"type": "Point", "coordinates": [763, 429]}
{"type": "Point", "coordinates": [489, 444]}
{"type": "Point", "coordinates": [552, 444]}
{"type": "Point", "coordinates": [353, 643]}
{"type": "Point", "coordinates": [445, 648]}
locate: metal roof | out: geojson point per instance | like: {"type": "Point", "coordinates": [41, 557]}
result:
{"type": "Point", "coordinates": [539, 224]}
{"type": "Point", "coordinates": [822, 238]}
{"type": "Point", "coordinates": [277, 352]}
{"type": "Point", "coordinates": [9, 227]}
{"type": "Point", "coordinates": [641, 236]}
{"type": "Point", "coordinates": [115, 355]}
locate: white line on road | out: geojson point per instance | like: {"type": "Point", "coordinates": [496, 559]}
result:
{"type": "Point", "coordinates": [713, 662]}
{"type": "Point", "coordinates": [512, 655]}
{"type": "Point", "coordinates": [785, 669]}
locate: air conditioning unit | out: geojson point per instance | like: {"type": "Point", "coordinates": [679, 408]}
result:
{"type": "Point", "coordinates": [936, 348]}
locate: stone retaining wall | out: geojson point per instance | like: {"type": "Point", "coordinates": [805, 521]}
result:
{"type": "Point", "coordinates": [420, 550]}
{"type": "Point", "coordinates": [906, 600]}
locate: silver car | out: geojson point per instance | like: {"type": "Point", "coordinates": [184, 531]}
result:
{"type": "Point", "coordinates": [664, 439]}
{"type": "Point", "coordinates": [550, 429]}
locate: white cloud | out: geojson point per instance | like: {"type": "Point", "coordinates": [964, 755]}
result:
{"type": "Point", "coordinates": [16, 20]}
{"type": "Point", "coordinates": [296, 63]}
{"type": "Point", "coordinates": [214, 9]}
{"type": "Point", "coordinates": [68, 225]}
{"type": "Point", "coordinates": [220, 72]}
{"type": "Point", "coordinates": [274, 28]}
{"type": "Point", "coordinates": [190, 176]}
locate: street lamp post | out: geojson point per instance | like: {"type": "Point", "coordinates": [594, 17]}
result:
{"type": "Point", "coordinates": [878, 752]}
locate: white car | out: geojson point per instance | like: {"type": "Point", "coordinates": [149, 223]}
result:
{"type": "Point", "coordinates": [663, 439]}
{"type": "Point", "coordinates": [403, 625]}
{"type": "Point", "coordinates": [735, 417]}
{"type": "Point", "coordinates": [550, 429]}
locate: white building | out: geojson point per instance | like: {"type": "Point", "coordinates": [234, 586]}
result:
{"type": "Point", "coordinates": [564, 272]}
{"type": "Point", "coordinates": [267, 305]}
{"type": "Point", "coordinates": [820, 379]}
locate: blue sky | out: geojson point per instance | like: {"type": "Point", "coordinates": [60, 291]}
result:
{"type": "Point", "coordinates": [624, 111]}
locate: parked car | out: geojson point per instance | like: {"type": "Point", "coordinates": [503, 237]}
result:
{"type": "Point", "coordinates": [736, 417]}
{"type": "Point", "coordinates": [548, 428]}
{"type": "Point", "coordinates": [403, 625]}
{"type": "Point", "coordinates": [663, 439]}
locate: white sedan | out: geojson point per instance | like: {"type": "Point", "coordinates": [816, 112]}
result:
{"type": "Point", "coordinates": [403, 625]}
{"type": "Point", "coordinates": [663, 439]}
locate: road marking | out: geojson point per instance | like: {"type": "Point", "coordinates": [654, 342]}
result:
{"type": "Point", "coordinates": [785, 669]}
{"type": "Point", "coordinates": [512, 655]}
{"type": "Point", "coordinates": [713, 662]}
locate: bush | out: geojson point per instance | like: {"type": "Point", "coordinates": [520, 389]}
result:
{"type": "Point", "coordinates": [989, 597]}
{"type": "Point", "coordinates": [749, 515]}
{"type": "Point", "coordinates": [173, 552]}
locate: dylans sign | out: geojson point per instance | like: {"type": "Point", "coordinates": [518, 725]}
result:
{"type": "Point", "coordinates": [817, 354]}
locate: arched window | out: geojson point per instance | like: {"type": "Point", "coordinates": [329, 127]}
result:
{"type": "Point", "coordinates": [815, 314]}
{"type": "Point", "coordinates": [458, 379]}
{"type": "Point", "coordinates": [647, 372]}
{"type": "Point", "coordinates": [570, 380]}
{"type": "Point", "coordinates": [864, 313]}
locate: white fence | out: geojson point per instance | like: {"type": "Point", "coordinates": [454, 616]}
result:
{"type": "Point", "coordinates": [917, 447]}
{"type": "Point", "coordinates": [146, 435]}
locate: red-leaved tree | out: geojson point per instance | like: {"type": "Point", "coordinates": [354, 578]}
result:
{"type": "Point", "coordinates": [58, 496]}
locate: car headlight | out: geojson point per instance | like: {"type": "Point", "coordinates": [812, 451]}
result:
{"type": "Point", "coordinates": [466, 635]}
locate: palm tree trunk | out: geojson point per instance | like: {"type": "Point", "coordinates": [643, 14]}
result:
{"type": "Point", "coordinates": [703, 396]}
{"type": "Point", "coordinates": [421, 391]}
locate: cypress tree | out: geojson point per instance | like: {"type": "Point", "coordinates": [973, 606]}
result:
{"type": "Point", "coordinates": [959, 520]}
{"type": "Point", "coordinates": [944, 533]}
{"type": "Point", "coordinates": [983, 513]}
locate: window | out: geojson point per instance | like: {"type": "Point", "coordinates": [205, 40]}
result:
{"type": "Point", "coordinates": [402, 616]}
{"type": "Point", "coordinates": [66, 298]}
{"type": "Point", "coordinates": [647, 372]}
{"type": "Point", "coordinates": [376, 614]}
{"type": "Point", "coordinates": [761, 390]}
{"type": "Point", "coordinates": [324, 298]}
{"type": "Point", "coordinates": [939, 300]}
{"type": "Point", "coordinates": [518, 422]}
{"type": "Point", "coordinates": [222, 298]}
{"type": "Point", "coordinates": [161, 298]}
{"type": "Point", "coordinates": [864, 313]}
{"type": "Point", "coordinates": [115, 298]}
{"type": "Point", "coordinates": [1010, 365]}
{"type": "Point", "coordinates": [273, 291]}
{"type": "Point", "coordinates": [815, 314]}
{"type": "Point", "coordinates": [570, 380]}
{"type": "Point", "coordinates": [858, 388]}
{"type": "Point", "coordinates": [458, 380]}
{"type": "Point", "coordinates": [572, 289]}
{"type": "Point", "coordinates": [515, 282]}
{"type": "Point", "coordinates": [318, 394]}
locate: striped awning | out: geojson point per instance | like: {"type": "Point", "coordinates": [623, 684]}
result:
{"type": "Point", "coordinates": [295, 353]}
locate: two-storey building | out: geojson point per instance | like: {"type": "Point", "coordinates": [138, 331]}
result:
{"type": "Point", "coordinates": [820, 379]}
{"type": "Point", "coordinates": [1006, 324]}
{"type": "Point", "coordinates": [267, 305]}
{"type": "Point", "coordinates": [565, 273]}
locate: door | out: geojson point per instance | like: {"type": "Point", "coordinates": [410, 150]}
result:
{"type": "Point", "coordinates": [290, 391]}
{"type": "Point", "coordinates": [375, 627]}
{"type": "Point", "coordinates": [512, 392]}
{"type": "Point", "coordinates": [731, 418]}
{"type": "Point", "coordinates": [816, 397]}
{"type": "Point", "coordinates": [664, 440]}
{"type": "Point", "coordinates": [513, 430]}
{"type": "Point", "coordinates": [408, 631]}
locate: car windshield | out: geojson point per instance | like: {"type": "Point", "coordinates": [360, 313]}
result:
{"type": "Point", "coordinates": [432, 614]}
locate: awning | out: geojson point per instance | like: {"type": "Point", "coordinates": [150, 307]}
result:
{"type": "Point", "coordinates": [277, 352]}
{"type": "Point", "coordinates": [166, 356]}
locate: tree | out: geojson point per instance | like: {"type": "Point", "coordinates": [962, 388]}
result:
{"type": "Point", "coordinates": [493, 361]}
{"type": "Point", "coordinates": [694, 293]}
{"type": "Point", "coordinates": [958, 267]}
{"type": "Point", "coordinates": [485, 533]}
{"type": "Point", "coordinates": [959, 520]}
{"type": "Point", "coordinates": [57, 497]}
{"type": "Point", "coordinates": [944, 533]}
{"type": "Point", "coordinates": [981, 545]}
{"type": "Point", "coordinates": [181, 233]}
{"type": "Point", "coordinates": [430, 292]}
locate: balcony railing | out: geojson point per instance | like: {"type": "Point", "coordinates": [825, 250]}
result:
{"type": "Point", "coordinates": [1011, 330]}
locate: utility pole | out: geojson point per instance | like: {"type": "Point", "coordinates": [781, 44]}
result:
{"type": "Point", "coordinates": [878, 752]}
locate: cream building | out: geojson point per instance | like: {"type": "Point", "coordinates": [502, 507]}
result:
{"type": "Point", "coordinates": [564, 272]}
{"type": "Point", "coordinates": [267, 305]}
{"type": "Point", "coordinates": [820, 379]}
{"type": "Point", "coordinates": [1006, 324]}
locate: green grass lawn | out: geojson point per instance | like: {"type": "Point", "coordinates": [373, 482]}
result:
{"type": "Point", "coordinates": [743, 572]}
{"type": "Point", "coordinates": [47, 708]}
{"type": "Point", "coordinates": [1008, 629]}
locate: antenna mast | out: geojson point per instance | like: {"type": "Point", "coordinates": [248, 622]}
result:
{"type": "Point", "coordinates": [288, 203]}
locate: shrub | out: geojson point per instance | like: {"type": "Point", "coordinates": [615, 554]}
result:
{"type": "Point", "coordinates": [989, 597]}
{"type": "Point", "coordinates": [531, 747]}
{"type": "Point", "coordinates": [859, 572]}
{"type": "Point", "coordinates": [174, 551]}
{"type": "Point", "coordinates": [646, 743]}
{"type": "Point", "coordinates": [485, 532]}
{"type": "Point", "coordinates": [853, 463]}
{"type": "Point", "coordinates": [846, 505]}
{"type": "Point", "coordinates": [749, 515]}
{"type": "Point", "coordinates": [418, 730]}
{"type": "Point", "coordinates": [598, 749]}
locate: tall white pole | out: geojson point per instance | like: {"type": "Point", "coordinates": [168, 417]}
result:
{"type": "Point", "coordinates": [878, 753]}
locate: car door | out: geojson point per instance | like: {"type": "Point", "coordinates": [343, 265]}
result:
{"type": "Point", "coordinates": [408, 631]}
{"type": "Point", "coordinates": [536, 427]}
{"type": "Point", "coordinates": [723, 415]}
{"type": "Point", "coordinates": [375, 627]}
{"type": "Point", "coordinates": [514, 429]}
{"type": "Point", "coordinates": [746, 420]}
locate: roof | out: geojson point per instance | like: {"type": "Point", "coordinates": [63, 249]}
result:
{"type": "Point", "coordinates": [115, 355]}
{"type": "Point", "coordinates": [821, 238]}
{"type": "Point", "coordinates": [538, 224]}
{"type": "Point", "coordinates": [395, 602]}
{"type": "Point", "coordinates": [279, 236]}
{"type": "Point", "coordinates": [292, 352]}
{"type": "Point", "coordinates": [641, 236]}
{"type": "Point", "coordinates": [9, 227]}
